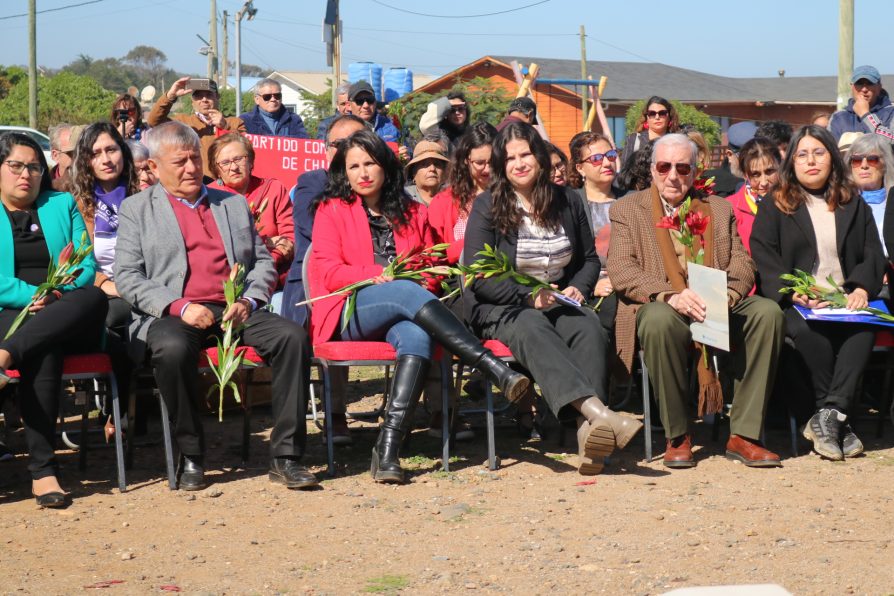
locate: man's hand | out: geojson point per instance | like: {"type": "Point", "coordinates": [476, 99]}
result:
{"type": "Point", "coordinates": [861, 106]}
{"type": "Point", "coordinates": [858, 299]}
{"type": "Point", "coordinates": [382, 279]}
{"type": "Point", "coordinates": [217, 118]}
{"type": "Point", "coordinates": [238, 312]}
{"type": "Point", "coordinates": [803, 300]}
{"type": "Point", "coordinates": [689, 304]}
{"type": "Point", "coordinates": [178, 89]}
{"type": "Point", "coordinates": [198, 316]}
{"type": "Point", "coordinates": [574, 294]}
{"type": "Point", "coordinates": [603, 287]}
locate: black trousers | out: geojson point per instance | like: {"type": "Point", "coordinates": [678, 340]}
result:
{"type": "Point", "coordinates": [74, 323]}
{"type": "Point", "coordinates": [283, 344]}
{"type": "Point", "coordinates": [835, 354]}
{"type": "Point", "coordinates": [563, 347]}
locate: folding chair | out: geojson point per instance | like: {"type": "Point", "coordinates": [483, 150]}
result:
{"type": "Point", "coordinates": [884, 343]}
{"type": "Point", "coordinates": [94, 367]}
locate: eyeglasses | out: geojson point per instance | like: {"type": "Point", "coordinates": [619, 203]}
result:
{"type": "Point", "coordinates": [479, 164]}
{"type": "Point", "coordinates": [364, 100]}
{"type": "Point", "coordinates": [597, 158]}
{"type": "Point", "coordinates": [458, 108]}
{"type": "Point", "coordinates": [270, 96]}
{"type": "Point", "coordinates": [664, 168]}
{"type": "Point", "coordinates": [225, 164]}
{"type": "Point", "coordinates": [658, 114]}
{"type": "Point", "coordinates": [819, 155]}
{"type": "Point", "coordinates": [16, 167]}
{"type": "Point", "coordinates": [144, 170]}
{"type": "Point", "coordinates": [559, 167]}
{"type": "Point", "coordinates": [873, 160]}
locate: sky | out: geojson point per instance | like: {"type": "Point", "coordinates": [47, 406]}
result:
{"type": "Point", "coordinates": [746, 38]}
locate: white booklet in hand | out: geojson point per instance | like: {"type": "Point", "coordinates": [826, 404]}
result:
{"type": "Point", "coordinates": [710, 285]}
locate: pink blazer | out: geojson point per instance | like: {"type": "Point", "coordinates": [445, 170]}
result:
{"type": "Point", "coordinates": [342, 254]}
{"type": "Point", "coordinates": [744, 217]}
{"type": "Point", "coordinates": [442, 215]}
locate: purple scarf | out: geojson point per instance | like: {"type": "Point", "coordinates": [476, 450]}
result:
{"type": "Point", "coordinates": [106, 213]}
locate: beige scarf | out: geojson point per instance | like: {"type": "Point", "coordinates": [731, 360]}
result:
{"type": "Point", "coordinates": [710, 393]}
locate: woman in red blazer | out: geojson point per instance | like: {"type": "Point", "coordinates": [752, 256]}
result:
{"type": "Point", "coordinates": [364, 224]}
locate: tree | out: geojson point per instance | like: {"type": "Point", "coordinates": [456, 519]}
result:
{"type": "Point", "coordinates": [151, 61]}
{"type": "Point", "coordinates": [317, 106]}
{"type": "Point", "coordinates": [65, 97]}
{"type": "Point", "coordinates": [250, 70]}
{"type": "Point", "coordinates": [687, 115]}
{"type": "Point", "coordinates": [10, 76]}
{"type": "Point", "coordinates": [228, 101]}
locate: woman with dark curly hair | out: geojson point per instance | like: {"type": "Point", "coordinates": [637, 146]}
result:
{"type": "Point", "coordinates": [658, 117]}
{"type": "Point", "coordinates": [127, 117]}
{"type": "Point", "coordinates": [543, 231]}
{"type": "Point", "coordinates": [817, 222]}
{"type": "Point", "coordinates": [363, 224]}
{"type": "Point", "coordinates": [637, 175]}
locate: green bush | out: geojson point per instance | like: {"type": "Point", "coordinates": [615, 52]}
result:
{"type": "Point", "coordinates": [687, 115]}
{"type": "Point", "coordinates": [65, 97]}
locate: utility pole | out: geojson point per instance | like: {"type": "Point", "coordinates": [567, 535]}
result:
{"type": "Point", "coordinates": [845, 50]}
{"type": "Point", "coordinates": [212, 55]}
{"type": "Point", "coordinates": [584, 97]}
{"type": "Point", "coordinates": [249, 10]}
{"type": "Point", "coordinates": [226, 56]}
{"type": "Point", "coordinates": [332, 39]}
{"type": "Point", "coordinates": [32, 63]}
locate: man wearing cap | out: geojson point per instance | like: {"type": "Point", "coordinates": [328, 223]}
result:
{"type": "Point", "coordinates": [270, 117]}
{"type": "Point", "coordinates": [362, 103]}
{"type": "Point", "coordinates": [869, 110]}
{"type": "Point", "coordinates": [425, 172]}
{"type": "Point", "coordinates": [522, 109]}
{"type": "Point", "coordinates": [728, 177]}
{"type": "Point", "coordinates": [206, 118]}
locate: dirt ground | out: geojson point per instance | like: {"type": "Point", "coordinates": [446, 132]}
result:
{"type": "Point", "coordinates": [534, 526]}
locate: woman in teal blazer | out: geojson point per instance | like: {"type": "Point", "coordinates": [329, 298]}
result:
{"type": "Point", "coordinates": [35, 226]}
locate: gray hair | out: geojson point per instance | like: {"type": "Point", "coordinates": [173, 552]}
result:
{"type": "Point", "coordinates": [55, 132]}
{"type": "Point", "coordinates": [171, 135]}
{"type": "Point", "coordinates": [874, 144]}
{"type": "Point", "coordinates": [138, 150]}
{"type": "Point", "coordinates": [342, 89]}
{"type": "Point", "coordinates": [267, 83]}
{"type": "Point", "coordinates": [676, 140]}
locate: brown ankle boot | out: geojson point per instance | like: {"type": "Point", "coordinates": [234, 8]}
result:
{"type": "Point", "coordinates": [598, 414]}
{"type": "Point", "coordinates": [592, 452]}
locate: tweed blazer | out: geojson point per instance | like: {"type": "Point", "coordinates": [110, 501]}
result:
{"type": "Point", "coordinates": [637, 270]}
{"type": "Point", "coordinates": [150, 256]}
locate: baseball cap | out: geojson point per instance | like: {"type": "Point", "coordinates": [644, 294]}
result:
{"type": "Point", "coordinates": [525, 105]}
{"type": "Point", "coordinates": [870, 73]}
{"type": "Point", "coordinates": [360, 87]}
{"type": "Point", "coordinates": [740, 133]}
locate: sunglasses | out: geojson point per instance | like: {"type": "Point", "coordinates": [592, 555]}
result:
{"type": "Point", "coordinates": [597, 158]}
{"type": "Point", "coordinates": [873, 160]}
{"type": "Point", "coordinates": [364, 100]}
{"type": "Point", "coordinates": [270, 96]}
{"type": "Point", "coordinates": [458, 109]}
{"type": "Point", "coordinates": [658, 114]}
{"type": "Point", "coordinates": [664, 167]}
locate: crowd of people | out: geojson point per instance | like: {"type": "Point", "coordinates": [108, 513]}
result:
{"type": "Point", "coordinates": [170, 206]}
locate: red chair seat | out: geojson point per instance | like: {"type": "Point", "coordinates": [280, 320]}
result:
{"type": "Point", "coordinates": [884, 339]}
{"type": "Point", "coordinates": [499, 349]}
{"type": "Point", "coordinates": [208, 357]}
{"type": "Point", "coordinates": [355, 350]}
{"type": "Point", "coordinates": [79, 364]}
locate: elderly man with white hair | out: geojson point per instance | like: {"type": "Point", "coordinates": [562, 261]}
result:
{"type": "Point", "coordinates": [177, 243]}
{"type": "Point", "coordinates": [648, 268]}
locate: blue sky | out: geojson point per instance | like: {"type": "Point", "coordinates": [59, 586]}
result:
{"type": "Point", "coordinates": [746, 38]}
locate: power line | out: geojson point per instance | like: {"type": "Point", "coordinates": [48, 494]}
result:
{"type": "Point", "coordinates": [58, 8]}
{"type": "Point", "coordinates": [467, 16]}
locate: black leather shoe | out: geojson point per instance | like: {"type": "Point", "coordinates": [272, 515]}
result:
{"type": "Point", "coordinates": [53, 500]}
{"type": "Point", "coordinates": [191, 473]}
{"type": "Point", "coordinates": [288, 471]}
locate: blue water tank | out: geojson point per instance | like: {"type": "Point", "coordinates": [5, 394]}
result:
{"type": "Point", "coordinates": [369, 72]}
{"type": "Point", "coordinates": [398, 82]}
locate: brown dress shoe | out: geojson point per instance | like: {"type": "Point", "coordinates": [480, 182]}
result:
{"type": "Point", "coordinates": [679, 452]}
{"type": "Point", "coordinates": [751, 453]}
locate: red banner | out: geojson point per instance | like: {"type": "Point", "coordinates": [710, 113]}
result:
{"type": "Point", "coordinates": [285, 158]}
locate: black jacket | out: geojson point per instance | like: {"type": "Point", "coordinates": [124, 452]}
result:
{"type": "Point", "coordinates": [781, 243]}
{"type": "Point", "coordinates": [485, 294]}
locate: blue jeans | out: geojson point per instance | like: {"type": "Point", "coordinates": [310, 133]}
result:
{"type": "Point", "coordinates": [386, 311]}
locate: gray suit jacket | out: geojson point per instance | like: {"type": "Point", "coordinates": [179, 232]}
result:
{"type": "Point", "coordinates": [150, 257]}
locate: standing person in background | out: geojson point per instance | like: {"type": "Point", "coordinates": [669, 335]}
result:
{"type": "Point", "coordinates": [658, 118]}
{"type": "Point", "coordinates": [127, 117]}
{"type": "Point", "coordinates": [778, 131]}
{"type": "Point", "coordinates": [446, 119]}
{"type": "Point", "coordinates": [728, 177]}
{"type": "Point", "coordinates": [425, 172]}
{"type": "Point", "coordinates": [342, 106]}
{"type": "Point", "coordinates": [759, 159]}
{"type": "Point", "coordinates": [869, 109]}
{"type": "Point", "coordinates": [522, 109]}
{"type": "Point", "coordinates": [63, 138]}
{"type": "Point", "coordinates": [559, 163]}
{"type": "Point", "coordinates": [362, 100]}
{"type": "Point", "coordinates": [872, 168]}
{"type": "Point", "coordinates": [821, 119]}
{"type": "Point", "coordinates": [270, 117]}
{"type": "Point", "coordinates": [206, 118]}
{"type": "Point", "coordinates": [140, 163]}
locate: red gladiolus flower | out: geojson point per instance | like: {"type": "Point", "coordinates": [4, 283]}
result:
{"type": "Point", "coordinates": [697, 223]}
{"type": "Point", "coordinates": [669, 222]}
{"type": "Point", "coordinates": [66, 254]}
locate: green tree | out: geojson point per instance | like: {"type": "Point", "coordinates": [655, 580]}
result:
{"type": "Point", "coordinates": [687, 115]}
{"type": "Point", "coordinates": [65, 97]}
{"type": "Point", "coordinates": [149, 62]}
{"type": "Point", "coordinates": [10, 76]}
{"type": "Point", "coordinates": [317, 106]}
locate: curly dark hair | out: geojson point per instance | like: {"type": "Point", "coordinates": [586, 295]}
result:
{"type": "Point", "coordinates": [9, 140]}
{"type": "Point", "coordinates": [393, 201]}
{"type": "Point", "coordinates": [579, 142]}
{"type": "Point", "coordinates": [638, 174]}
{"type": "Point", "coordinates": [459, 177]}
{"type": "Point", "coordinates": [778, 131]}
{"type": "Point", "coordinates": [673, 120]}
{"type": "Point", "coordinates": [840, 189]}
{"type": "Point", "coordinates": [83, 181]}
{"type": "Point", "coordinates": [506, 213]}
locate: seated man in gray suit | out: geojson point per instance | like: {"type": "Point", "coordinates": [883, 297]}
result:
{"type": "Point", "coordinates": [177, 242]}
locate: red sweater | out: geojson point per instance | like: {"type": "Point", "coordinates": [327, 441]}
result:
{"type": "Point", "coordinates": [443, 211]}
{"type": "Point", "coordinates": [206, 259]}
{"type": "Point", "coordinates": [342, 254]}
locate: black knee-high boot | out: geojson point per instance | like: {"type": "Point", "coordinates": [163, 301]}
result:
{"type": "Point", "coordinates": [449, 331]}
{"type": "Point", "coordinates": [406, 387]}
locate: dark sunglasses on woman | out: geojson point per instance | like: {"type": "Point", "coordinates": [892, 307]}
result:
{"type": "Point", "coordinates": [597, 158]}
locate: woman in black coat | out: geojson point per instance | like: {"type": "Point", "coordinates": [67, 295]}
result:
{"type": "Point", "coordinates": [544, 232]}
{"type": "Point", "coordinates": [817, 222]}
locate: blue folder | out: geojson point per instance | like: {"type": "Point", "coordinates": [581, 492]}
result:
{"type": "Point", "coordinates": [857, 317]}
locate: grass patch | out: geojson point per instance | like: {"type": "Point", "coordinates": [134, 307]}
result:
{"type": "Point", "coordinates": [386, 584]}
{"type": "Point", "coordinates": [557, 456]}
{"type": "Point", "coordinates": [418, 461]}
